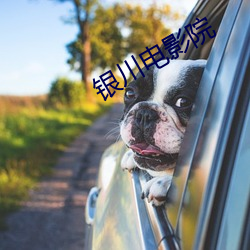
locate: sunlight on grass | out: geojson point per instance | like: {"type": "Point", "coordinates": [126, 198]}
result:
{"type": "Point", "coordinates": [14, 187]}
{"type": "Point", "coordinates": [31, 139]}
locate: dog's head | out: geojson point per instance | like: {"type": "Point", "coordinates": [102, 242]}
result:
{"type": "Point", "coordinates": [157, 109]}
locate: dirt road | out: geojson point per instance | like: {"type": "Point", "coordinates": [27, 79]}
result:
{"type": "Point", "coordinates": [53, 218]}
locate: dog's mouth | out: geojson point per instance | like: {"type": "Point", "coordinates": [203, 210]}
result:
{"type": "Point", "coordinates": [154, 155]}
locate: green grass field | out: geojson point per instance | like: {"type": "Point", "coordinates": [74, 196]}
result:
{"type": "Point", "coordinates": [31, 139]}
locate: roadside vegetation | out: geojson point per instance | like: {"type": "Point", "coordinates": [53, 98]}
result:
{"type": "Point", "coordinates": [34, 131]}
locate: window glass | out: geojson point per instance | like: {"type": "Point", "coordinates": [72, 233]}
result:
{"type": "Point", "coordinates": [236, 206]}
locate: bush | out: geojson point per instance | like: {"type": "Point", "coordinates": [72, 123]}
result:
{"type": "Point", "coordinates": [65, 92]}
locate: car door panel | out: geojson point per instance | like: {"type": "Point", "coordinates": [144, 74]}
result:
{"type": "Point", "coordinates": [120, 220]}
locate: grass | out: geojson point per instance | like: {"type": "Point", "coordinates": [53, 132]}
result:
{"type": "Point", "coordinates": [31, 139]}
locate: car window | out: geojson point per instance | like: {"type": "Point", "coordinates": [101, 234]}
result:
{"type": "Point", "coordinates": [169, 216]}
{"type": "Point", "coordinates": [208, 130]}
{"type": "Point", "coordinates": [187, 150]}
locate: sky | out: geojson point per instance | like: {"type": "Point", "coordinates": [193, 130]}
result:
{"type": "Point", "coordinates": [32, 44]}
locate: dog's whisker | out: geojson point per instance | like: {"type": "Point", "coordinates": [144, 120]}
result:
{"type": "Point", "coordinates": [112, 132]}
{"type": "Point", "coordinates": [111, 135]}
{"type": "Point", "coordinates": [116, 129]}
{"type": "Point", "coordinates": [116, 122]}
{"type": "Point", "coordinates": [118, 138]}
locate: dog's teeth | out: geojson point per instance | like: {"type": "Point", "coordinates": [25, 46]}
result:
{"type": "Point", "coordinates": [155, 155]}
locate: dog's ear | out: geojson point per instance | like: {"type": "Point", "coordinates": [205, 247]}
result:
{"type": "Point", "coordinates": [157, 57]}
{"type": "Point", "coordinates": [197, 70]}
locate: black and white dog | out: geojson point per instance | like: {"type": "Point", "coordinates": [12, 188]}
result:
{"type": "Point", "coordinates": [157, 109]}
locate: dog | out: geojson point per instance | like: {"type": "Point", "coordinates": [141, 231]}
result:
{"type": "Point", "coordinates": [156, 113]}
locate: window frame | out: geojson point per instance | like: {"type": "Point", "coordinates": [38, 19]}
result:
{"type": "Point", "coordinates": [162, 227]}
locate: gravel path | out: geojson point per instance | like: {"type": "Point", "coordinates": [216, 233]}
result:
{"type": "Point", "coordinates": [53, 218]}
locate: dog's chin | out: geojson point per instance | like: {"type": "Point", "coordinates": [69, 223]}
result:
{"type": "Point", "coordinates": [156, 163]}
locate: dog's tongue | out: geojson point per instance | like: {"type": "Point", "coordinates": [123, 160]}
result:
{"type": "Point", "coordinates": [145, 149]}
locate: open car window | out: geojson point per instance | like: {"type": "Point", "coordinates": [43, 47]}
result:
{"type": "Point", "coordinates": [165, 221]}
{"type": "Point", "coordinates": [202, 97]}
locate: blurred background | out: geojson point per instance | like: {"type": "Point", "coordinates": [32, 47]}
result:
{"type": "Point", "coordinates": [50, 51]}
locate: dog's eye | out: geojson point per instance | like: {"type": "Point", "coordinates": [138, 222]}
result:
{"type": "Point", "coordinates": [130, 94]}
{"type": "Point", "coordinates": [182, 102]}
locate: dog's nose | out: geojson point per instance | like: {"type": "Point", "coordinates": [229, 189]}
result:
{"type": "Point", "coordinates": [145, 117]}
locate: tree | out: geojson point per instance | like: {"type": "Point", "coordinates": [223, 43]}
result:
{"type": "Point", "coordinates": [146, 26]}
{"type": "Point", "coordinates": [107, 35]}
{"type": "Point", "coordinates": [83, 16]}
{"type": "Point", "coordinates": [142, 27]}
{"type": "Point", "coordinates": [107, 42]}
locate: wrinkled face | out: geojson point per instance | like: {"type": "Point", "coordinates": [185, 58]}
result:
{"type": "Point", "coordinates": [157, 109]}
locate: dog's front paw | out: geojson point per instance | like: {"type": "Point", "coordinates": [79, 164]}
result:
{"type": "Point", "coordinates": [127, 162]}
{"type": "Point", "coordinates": [156, 189]}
